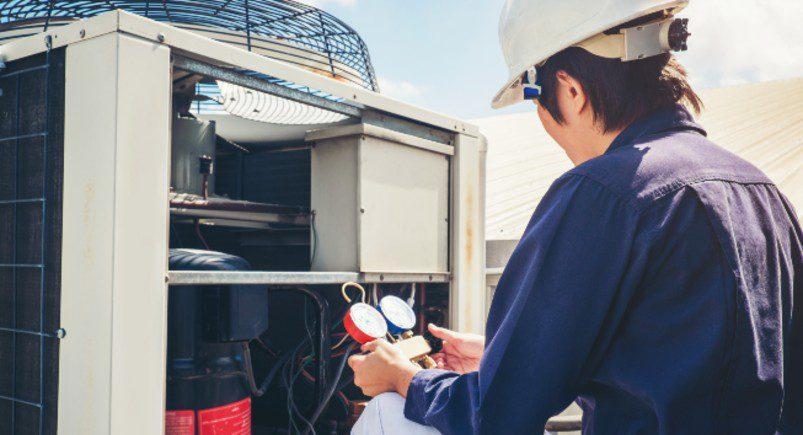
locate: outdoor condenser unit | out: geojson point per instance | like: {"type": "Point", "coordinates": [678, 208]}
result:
{"type": "Point", "coordinates": [316, 180]}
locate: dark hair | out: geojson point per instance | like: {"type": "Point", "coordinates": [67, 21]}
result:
{"type": "Point", "coordinates": [619, 92]}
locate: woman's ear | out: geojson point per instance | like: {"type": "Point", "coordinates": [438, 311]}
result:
{"type": "Point", "coordinates": [572, 93]}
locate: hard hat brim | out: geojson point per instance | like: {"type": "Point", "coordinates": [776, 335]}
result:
{"type": "Point", "coordinates": [512, 93]}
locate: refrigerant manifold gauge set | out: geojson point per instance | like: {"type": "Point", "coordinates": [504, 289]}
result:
{"type": "Point", "coordinates": [392, 318]}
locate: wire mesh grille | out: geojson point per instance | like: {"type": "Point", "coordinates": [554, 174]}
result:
{"type": "Point", "coordinates": [30, 240]}
{"type": "Point", "coordinates": [284, 29]}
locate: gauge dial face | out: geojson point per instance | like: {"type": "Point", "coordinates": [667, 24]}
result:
{"type": "Point", "coordinates": [398, 312]}
{"type": "Point", "coordinates": [368, 320]}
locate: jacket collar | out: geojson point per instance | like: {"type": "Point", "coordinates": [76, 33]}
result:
{"type": "Point", "coordinates": [672, 118]}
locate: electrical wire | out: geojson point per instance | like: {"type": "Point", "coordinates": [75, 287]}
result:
{"type": "Point", "coordinates": [289, 374]}
{"type": "Point", "coordinates": [174, 231]}
{"type": "Point", "coordinates": [292, 410]}
{"type": "Point", "coordinates": [306, 325]}
{"type": "Point", "coordinates": [340, 343]}
{"type": "Point", "coordinates": [331, 390]}
{"type": "Point", "coordinates": [198, 233]}
{"type": "Point", "coordinates": [249, 370]}
{"type": "Point", "coordinates": [314, 240]}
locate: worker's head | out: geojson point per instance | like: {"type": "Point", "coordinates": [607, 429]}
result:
{"type": "Point", "coordinates": [583, 95]}
{"type": "Point", "coordinates": [593, 66]}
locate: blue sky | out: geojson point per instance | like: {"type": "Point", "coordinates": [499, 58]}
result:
{"type": "Point", "coordinates": [444, 54]}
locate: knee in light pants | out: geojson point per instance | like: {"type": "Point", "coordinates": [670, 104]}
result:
{"type": "Point", "coordinates": [384, 415]}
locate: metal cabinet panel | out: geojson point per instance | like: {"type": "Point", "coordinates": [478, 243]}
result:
{"type": "Point", "coordinates": [404, 204]}
{"type": "Point", "coordinates": [380, 204]}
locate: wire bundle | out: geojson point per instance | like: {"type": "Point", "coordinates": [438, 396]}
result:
{"type": "Point", "coordinates": [291, 366]}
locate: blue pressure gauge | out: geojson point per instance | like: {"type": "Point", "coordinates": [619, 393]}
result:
{"type": "Point", "coordinates": [399, 315]}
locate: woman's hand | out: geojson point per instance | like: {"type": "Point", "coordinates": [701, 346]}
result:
{"type": "Point", "coordinates": [382, 369]}
{"type": "Point", "coordinates": [461, 352]}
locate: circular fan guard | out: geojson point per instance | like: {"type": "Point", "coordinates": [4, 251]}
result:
{"type": "Point", "coordinates": [293, 32]}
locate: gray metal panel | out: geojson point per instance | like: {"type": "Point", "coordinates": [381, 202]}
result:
{"type": "Point", "coordinates": [333, 201]}
{"type": "Point", "coordinates": [404, 193]}
{"type": "Point", "coordinates": [380, 205]}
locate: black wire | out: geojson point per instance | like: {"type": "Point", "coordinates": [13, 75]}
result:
{"type": "Point", "coordinates": [314, 239]}
{"type": "Point", "coordinates": [178, 237]}
{"type": "Point", "coordinates": [293, 408]}
{"type": "Point", "coordinates": [249, 370]}
{"type": "Point", "coordinates": [289, 375]}
{"type": "Point", "coordinates": [331, 390]}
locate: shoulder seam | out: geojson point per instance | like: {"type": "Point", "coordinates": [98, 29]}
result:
{"type": "Point", "coordinates": [680, 184]}
{"type": "Point", "coordinates": [655, 195]}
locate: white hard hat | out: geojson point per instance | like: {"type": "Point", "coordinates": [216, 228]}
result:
{"type": "Point", "coordinates": [530, 31]}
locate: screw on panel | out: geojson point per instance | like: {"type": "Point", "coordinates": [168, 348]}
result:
{"type": "Point", "coordinates": [82, 33]}
{"type": "Point", "coordinates": [61, 333]}
{"type": "Point", "coordinates": [160, 37]}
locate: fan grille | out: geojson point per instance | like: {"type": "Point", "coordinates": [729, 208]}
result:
{"type": "Point", "coordinates": [293, 32]}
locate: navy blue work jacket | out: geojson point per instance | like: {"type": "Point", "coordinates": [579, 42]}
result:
{"type": "Point", "coordinates": [659, 285]}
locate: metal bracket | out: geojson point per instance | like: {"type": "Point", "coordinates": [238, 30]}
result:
{"type": "Point", "coordinates": [646, 40]}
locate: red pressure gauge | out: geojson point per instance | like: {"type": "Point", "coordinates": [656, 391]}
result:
{"type": "Point", "coordinates": [364, 323]}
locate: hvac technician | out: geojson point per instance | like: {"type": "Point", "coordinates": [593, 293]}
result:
{"type": "Point", "coordinates": [659, 283]}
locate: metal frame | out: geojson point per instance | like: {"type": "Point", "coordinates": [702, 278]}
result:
{"type": "Point", "coordinates": [177, 277]}
{"type": "Point", "coordinates": [468, 305]}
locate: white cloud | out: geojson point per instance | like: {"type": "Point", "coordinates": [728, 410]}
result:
{"type": "Point", "coordinates": [740, 41]}
{"type": "Point", "coordinates": [400, 89]}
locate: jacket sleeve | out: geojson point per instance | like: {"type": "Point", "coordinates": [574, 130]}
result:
{"type": "Point", "coordinates": [556, 306]}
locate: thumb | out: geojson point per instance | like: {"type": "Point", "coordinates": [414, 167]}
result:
{"type": "Point", "coordinates": [443, 333]}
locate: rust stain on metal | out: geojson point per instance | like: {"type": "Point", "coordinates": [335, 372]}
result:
{"type": "Point", "coordinates": [87, 215]}
{"type": "Point", "coordinates": [469, 247]}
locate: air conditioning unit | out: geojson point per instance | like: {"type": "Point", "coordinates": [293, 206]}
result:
{"type": "Point", "coordinates": [185, 187]}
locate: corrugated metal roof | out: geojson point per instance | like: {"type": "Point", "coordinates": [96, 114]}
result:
{"type": "Point", "coordinates": [763, 123]}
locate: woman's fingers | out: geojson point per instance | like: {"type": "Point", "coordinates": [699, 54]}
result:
{"type": "Point", "coordinates": [443, 333]}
